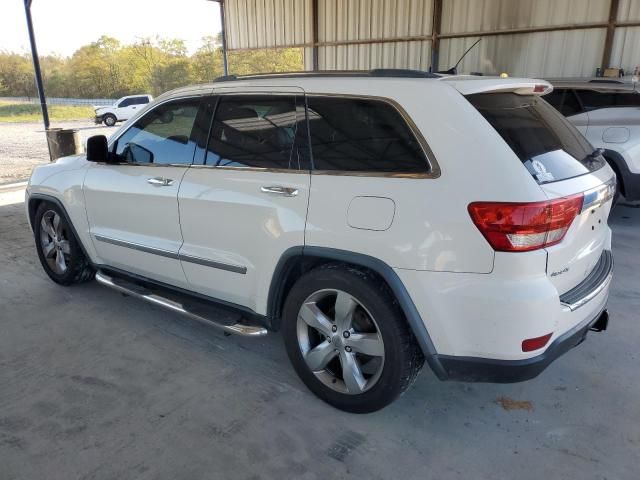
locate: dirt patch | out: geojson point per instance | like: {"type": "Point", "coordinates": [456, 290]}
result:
{"type": "Point", "coordinates": [23, 146]}
{"type": "Point", "coordinates": [509, 404]}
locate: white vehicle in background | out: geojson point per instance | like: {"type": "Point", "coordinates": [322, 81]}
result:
{"type": "Point", "coordinates": [377, 219]}
{"type": "Point", "coordinates": [607, 113]}
{"type": "Point", "coordinates": [121, 110]}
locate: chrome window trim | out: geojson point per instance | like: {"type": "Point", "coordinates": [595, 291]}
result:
{"type": "Point", "coordinates": [253, 169]}
{"type": "Point", "coordinates": [143, 113]}
{"type": "Point", "coordinates": [173, 255]}
{"type": "Point", "coordinates": [434, 168]}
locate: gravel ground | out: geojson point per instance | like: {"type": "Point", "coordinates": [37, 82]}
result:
{"type": "Point", "coordinates": [23, 146]}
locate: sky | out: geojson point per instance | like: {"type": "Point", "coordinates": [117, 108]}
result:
{"type": "Point", "coordinates": [63, 26]}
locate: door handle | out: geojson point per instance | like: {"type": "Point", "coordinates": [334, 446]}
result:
{"type": "Point", "coordinates": [160, 181]}
{"type": "Point", "coordinates": [277, 190]}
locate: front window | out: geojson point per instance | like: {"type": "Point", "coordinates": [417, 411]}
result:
{"type": "Point", "coordinates": [162, 136]}
{"type": "Point", "coordinates": [545, 142]}
{"type": "Point", "coordinates": [260, 131]}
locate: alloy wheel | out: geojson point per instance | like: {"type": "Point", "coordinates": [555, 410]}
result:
{"type": "Point", "coordinates": [340, 341]}
{"type": "Point", "coordinates": [54, 242]}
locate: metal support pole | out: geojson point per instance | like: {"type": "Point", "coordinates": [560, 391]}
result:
{"type": "Point", "coordinates": [225, 60]}
{"type": "Point", "coordinates": [36, 65]}
{"type": "Point", "coordinates": [611, 31]}
{"type": "Point", "coordinates": [314, 12]}
{"type": "Point", "coordinates": [435, 35]}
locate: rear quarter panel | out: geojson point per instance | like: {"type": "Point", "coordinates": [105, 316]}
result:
{"type": "Point", "coordinates": [431, 228]}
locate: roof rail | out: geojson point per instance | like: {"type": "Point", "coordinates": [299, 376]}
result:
{"type": "Point", "coordinates": [378, 72]}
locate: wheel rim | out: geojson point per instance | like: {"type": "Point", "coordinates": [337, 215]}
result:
{"type": "Point", "coordinates": [54, 242]}
{"type": "Point", "coordinates": [340, 341]}
{"type": "Point", "coordinates": [109, 121]}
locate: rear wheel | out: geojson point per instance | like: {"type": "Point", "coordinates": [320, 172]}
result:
{"type": "Point", "coordinates": [348, 340]}
{"type": "Point", "coordinates": [58, 249]}
{"type": "Point", "coordinates": [109, 120]}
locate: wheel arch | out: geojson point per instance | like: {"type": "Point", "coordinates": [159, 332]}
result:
{"type": "Point", "coordinates": [298, 260]}
{"type": "Point", "coordinates": [36, 199]}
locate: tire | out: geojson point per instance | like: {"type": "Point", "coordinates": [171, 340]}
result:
{"type": "Point", "coordinates": [109, 120]}
{"type": "Point", "coordinates": [375, 325]}
{"type": "Point", "coordinates": [55, 239]}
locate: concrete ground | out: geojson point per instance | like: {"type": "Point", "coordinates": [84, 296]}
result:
{"type": "Point", "coordinates": [24, 145]}
{"type": "Point", "coordinates": [94, 385]}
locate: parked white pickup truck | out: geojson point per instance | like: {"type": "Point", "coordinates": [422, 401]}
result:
{"type": "Point", "coordinates": [121, 110]}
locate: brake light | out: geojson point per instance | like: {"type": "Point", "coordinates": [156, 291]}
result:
{"type": "Point", "coordinates": [522, 227]}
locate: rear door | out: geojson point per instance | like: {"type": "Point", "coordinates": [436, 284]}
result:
{"type": "Point", "coordinates": [132, 206]}
{"type": "Point", "coordinates": [246, 203]}
{"type": "Point", "coordinates": [563, 163]}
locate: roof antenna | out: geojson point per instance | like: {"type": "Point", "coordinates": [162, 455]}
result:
{"type": "Point", "coordinates": [454, 70]}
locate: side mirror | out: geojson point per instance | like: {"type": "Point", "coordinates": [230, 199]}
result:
{"type": "Point", "coordinates": [97, 149]}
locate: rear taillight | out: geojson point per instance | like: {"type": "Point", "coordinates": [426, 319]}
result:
{"type": "Point", "coordinates": [521, 227]}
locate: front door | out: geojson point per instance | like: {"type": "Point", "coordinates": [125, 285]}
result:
{"type": "Point", "coordinates": [247, 203]}
{"type": "Point", "coordinates": [132, 205]}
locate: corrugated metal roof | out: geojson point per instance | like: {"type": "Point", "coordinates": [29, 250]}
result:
{"type": "Point", "coordinates": [544, 54]}
{"type": "Point", "coordinates": [267, 23]}
{"type": "Point", "coordinates": [460, 16]}
{"type": "Point", "coordinates": [364, 34]}
{"type": "Point", "coordinates": [629, 10]}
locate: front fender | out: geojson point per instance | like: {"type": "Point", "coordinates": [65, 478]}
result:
{"type": "Point", "coordinates": [62, 183]}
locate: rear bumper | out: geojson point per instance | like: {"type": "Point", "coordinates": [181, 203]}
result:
{"type": "Point", "coordinates": [470, 369]}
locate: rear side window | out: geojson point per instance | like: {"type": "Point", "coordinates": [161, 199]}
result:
{"type": "Point", "coordinates": [362, 135]}
{"type": "Point", "coordinates": [259, 131]}
{"type": "Point", "coordinates": [162, 136]}
{"type": "Point", "coordinates": [142, 100]}
{"type": "Point", "coordinates": [547, 144]}
{"type": "Point", "coordinates": [593, 100]}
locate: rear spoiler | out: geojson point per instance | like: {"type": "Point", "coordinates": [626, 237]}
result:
{"type": "Point", "coordinates": [471, 84]}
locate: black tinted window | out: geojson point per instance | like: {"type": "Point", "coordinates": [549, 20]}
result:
{"type": "Point", "coordinates": [162, 136]}
{"type": "Point", "coordinates": [263, 131]}
{"type": "Point", "coordinates": [593, 100]}
{"type": "Point", "coordinates": [141, 100]}
{"type": "Point", "coordinates": [564, 101]}
{"type": "Point", "coordinates": [362, 135]}
{"type": "Point", "coordinates": [546, 143]}
{"type": "Point", "coordinates": [126, 102]}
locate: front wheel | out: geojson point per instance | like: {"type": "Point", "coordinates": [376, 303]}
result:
{"type": "Point", "coordinates": [348, 340]}
{"type": "Point", "coordinates": [109, 120]}
{"type": "Point", "coordinates": [58, 249]}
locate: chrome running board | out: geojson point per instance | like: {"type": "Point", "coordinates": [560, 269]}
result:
{"type": "Point", "coordinates": [149, 296]}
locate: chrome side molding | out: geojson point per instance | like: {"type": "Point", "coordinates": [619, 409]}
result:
{"type": "Point", "coordinates": [176, 256]}
{"type": "Point", "coordinates": [150, 297]}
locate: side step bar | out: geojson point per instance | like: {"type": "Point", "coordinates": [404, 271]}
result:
{"type": "Point", "coordinates": [147, 295]}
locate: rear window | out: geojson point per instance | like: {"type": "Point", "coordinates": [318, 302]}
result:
{"type": "Point", "coordinates": [545, 142]}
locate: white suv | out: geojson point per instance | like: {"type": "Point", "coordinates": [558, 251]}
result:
{"type": "Point", "coordinates": [123, 109]}
{"type": "Point", "coordinates": [607, 113]}
{"type": "Point", "coordinates": [377, 219]}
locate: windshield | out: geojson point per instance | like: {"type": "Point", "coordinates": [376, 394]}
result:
{"type": "Point", "coordinates": [545, 142]}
